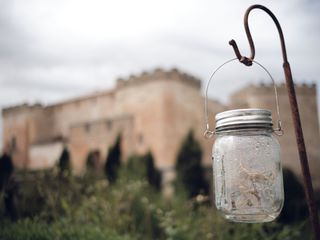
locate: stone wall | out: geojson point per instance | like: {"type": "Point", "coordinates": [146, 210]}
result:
{"type": "Point", "coordinates": [153, 111]}
{"type": "Point", "coordinates": [86, 109]}
{"type": "Point", "coordinates": [99, 136]}
{"type": "Point", "coordinates": [16, 121]}
{"type": "Point", "coordinates": [44, 155]}
{"type": "Point", "coordinates": [163, 106]}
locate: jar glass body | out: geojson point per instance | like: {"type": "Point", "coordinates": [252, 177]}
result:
{"type": "Point", "coordinates": [248, 175]}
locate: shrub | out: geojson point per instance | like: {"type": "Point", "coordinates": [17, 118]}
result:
{"type": "Point", "coordinates": [34, 230]}
{"type": "Point", "coordinates": [128, 209]}
{"type": "Point", "coordinates": [113, 161]}
{"type": "Point", "coordinates": [153, 174]}
{"type": "Point", "coordinates": [188, 167]}
{"type": "Point", "coordinates": [8, 186]}
{"type": "Point", "coordinates": [141, 167]}
{"type": "Point", "coordinates": [135, 168]}
{"type": "Point", "coordinates": [64, 163]}
{"type": "Point", "coordinates": [6, 170]}
{"type": "Point", "coordinates": [44, 195]}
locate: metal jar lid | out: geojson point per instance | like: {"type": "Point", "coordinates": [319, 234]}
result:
{"type": "Point", "coordinates": [244, 119]}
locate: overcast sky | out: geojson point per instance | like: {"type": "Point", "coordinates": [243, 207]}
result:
{"type": "Point", "coordinates": [53, 50]}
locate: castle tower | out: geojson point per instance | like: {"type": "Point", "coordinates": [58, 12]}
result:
{"type": "Point", "coordinates": [153, 111]}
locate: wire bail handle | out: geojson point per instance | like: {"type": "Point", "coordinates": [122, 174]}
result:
{"type": "Point", "coordinates": [209, 133]}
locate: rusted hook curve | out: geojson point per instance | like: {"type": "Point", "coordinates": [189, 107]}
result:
{"type": "Point", "coordinates": [248, 60]}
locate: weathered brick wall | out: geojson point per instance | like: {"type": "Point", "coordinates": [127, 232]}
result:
{"type": "Point", "coordinates": [44, 155]}
{"type": "Point", "coordinates": [99, 136]}
{"type": "Point", "coordinates": [154, 111]}
{"type": "Point", "coordinates": [41, 124]}
{"type": "Point", "coordinates": [16, 133]}
{"type": "Point", "coordinates": [166, 105]}
{"type": "Point", "coordinates": [81, 110]}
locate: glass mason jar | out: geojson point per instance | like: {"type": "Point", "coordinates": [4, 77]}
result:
{"type": "Point", "coordinates": [246, 166]}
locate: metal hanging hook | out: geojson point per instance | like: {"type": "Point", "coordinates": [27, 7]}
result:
{"type": "Point", "coordinates": [248, 60]}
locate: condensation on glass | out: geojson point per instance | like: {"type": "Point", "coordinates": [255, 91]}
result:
{"type": "Point", "coordinates": [246, 165]}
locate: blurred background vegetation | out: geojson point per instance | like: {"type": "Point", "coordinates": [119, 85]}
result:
{"type": "Point", "coordinates": [124, 201]}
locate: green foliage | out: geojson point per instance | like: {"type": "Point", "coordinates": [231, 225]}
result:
{"type": "Point", "coordinates": [7, 186]}
{"type": "Point", "coordinates": [84, 208]}
{"type": "Point", "coordinates": [127, 206]}
{"type": "Point", "coordinates": [135, 168]}
{"type": "Point", "coordinates": [28, 229]}
{"type": "Point", "coordinates": [64, 163]}
{"type": "Point", "coordinates": [188, 166]}
{"type": "Point", "coordinates": [113, 161]}
{"type": "Point", "coordinates": [45, 195]}
{"type": "Point", "coordinates": [153, 174]}
{"type": "Point", "coordinates": [142, 167]}
{"type": "Point", "coordinates": [6, 170]}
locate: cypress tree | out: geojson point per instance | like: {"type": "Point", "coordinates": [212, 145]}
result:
{"type": "Point", "coordinates": [188, 167]}
{"type": "Point", "coordinates": [64, 163]}
{"type": "Point", "coordinates": [8, 186]}
{"type": "Point", "coordinates": [153, 174]}
{"type": "Point", "coordinates": [6, 170]}
{"type": "Point", "coordinates": [113, 161]}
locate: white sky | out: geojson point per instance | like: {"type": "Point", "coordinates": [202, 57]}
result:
{"type": "Point", "coordinates": [53, 50]}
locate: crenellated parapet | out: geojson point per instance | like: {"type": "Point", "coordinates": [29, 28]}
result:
{"type": "Point", "coordinates": [262, 88]}
{"type": "Point", "coordinates": [18, 109]}
{"type": "Point", "coordinates": [159, 74]}
{"type": "Point", "coordinates": [304, 86]}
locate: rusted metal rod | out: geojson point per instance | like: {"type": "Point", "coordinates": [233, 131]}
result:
{"type": "Point", "coordinates": [313, 212]}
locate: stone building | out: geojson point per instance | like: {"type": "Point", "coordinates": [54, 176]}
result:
{"type": "Point", "coordinates": [153, 111]}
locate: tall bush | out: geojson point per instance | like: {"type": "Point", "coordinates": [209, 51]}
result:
{"type": "Point", "coordinates": [64, 163]}
{"type": "Point", "coordinates": [142, 167]}
{"type": "Point", "coordinates": [153, 174]}
{"type": "Point", "coordinates": [190, 173]}
{"type": "Point", "coordinates": [6, 170]}
{"type": "Point", "coordinates": [8, 186]}
{"type": "Point", "coordinates": [113, 161]}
